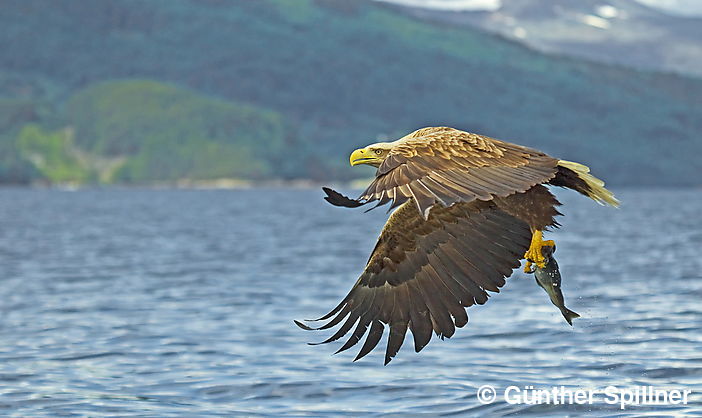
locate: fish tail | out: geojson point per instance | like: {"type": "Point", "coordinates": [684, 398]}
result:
{"type": "Point", "coordinates": [569, 315]}
{"type": "Point", "coordinates": [590, 185]}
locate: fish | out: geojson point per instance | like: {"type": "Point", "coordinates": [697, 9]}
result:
{"type": "Point", "coordinates": [549, 279]}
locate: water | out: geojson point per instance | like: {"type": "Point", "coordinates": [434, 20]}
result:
{"type": "Point", "coordinates": [164, 303]}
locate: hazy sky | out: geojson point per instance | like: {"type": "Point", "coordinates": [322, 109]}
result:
{"type": "Point", "coordinates": [685, 7]}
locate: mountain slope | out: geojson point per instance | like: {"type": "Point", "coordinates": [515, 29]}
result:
{"type": "Point", "coordinates": [612, 31]}
{"type": "Point", "coordinates": [135, 131]}
{"type": "Point", "coordinates": [343, 74]}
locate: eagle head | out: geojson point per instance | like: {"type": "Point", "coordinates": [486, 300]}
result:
{"type": "Point", "coordinates": [373, 154]}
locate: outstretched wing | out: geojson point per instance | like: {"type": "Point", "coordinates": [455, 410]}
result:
{"type": "Point", "coordinates": [423, 274]}
{"type": "Point", "coordinates": [445, 165]}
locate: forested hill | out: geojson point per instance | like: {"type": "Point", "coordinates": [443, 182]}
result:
{"type": "Point", "coordinates": [132, 91]}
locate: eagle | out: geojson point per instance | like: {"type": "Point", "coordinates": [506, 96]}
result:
{"type": "Point", "coordinates": [468, 209]}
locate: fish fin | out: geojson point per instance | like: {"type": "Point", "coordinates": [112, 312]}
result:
{"type": "Point", "coordinates": [569, 315]}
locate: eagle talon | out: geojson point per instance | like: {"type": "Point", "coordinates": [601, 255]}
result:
{"type": "Point", "coordinates": [534, 254]}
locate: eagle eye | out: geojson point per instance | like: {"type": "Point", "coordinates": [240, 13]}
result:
{"type": "Point", "coordinates": [378, 151]}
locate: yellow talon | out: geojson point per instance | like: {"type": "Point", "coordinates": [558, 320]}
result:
{"type": "Point", "coordinates": [533, 254]}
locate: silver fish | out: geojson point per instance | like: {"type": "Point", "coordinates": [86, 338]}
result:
{"type": "Point", "coordinates": [549, 279]}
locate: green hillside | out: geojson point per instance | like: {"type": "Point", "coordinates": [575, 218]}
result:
{"type": "Point", "coordinates": [136, 131]}
{"type": "Point", "coordinates": [286, 88]}
{"type": "Point", "coordinates": [168, 133]}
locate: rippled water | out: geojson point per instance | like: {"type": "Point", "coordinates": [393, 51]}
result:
{"type": "Point", "coordinates": [181, 303]}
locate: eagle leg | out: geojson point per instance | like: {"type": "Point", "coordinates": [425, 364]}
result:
{"type": "Point", "coordinates": [534, 254]}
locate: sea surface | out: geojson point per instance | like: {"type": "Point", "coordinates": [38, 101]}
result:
{"type": "Point", "coordinates": [181, 303]}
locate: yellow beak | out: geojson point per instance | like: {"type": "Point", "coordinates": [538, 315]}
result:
{"type": "Point", "coordinates": [360, 156]}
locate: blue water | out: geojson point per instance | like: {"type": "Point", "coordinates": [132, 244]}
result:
{"type": "Point", "coordinates": [164, 303]}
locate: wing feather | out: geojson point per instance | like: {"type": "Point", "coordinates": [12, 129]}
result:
{"type": "Point", "coordinates": [456, 166]}
{"type": "Point", "coordinates": [422, 274]}
{"type": "Point", "coordinates": [374, 335]}
{"type": "Point", "coordinates": [420, 322]}
{"type": "Point", "coordinates": [448, 299]}
{"type": "Point", "coordinates": [441, 319]}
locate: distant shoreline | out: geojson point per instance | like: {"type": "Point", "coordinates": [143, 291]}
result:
{"type": "Point", "coordinates": [188, 184]}
{"type": "Point", "coordinates": [237, 184]}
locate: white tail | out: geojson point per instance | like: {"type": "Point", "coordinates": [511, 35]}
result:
{"type": "Point", "coordinates": [597, 191]}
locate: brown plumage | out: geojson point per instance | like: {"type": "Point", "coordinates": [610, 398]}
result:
{"type": "Point", "coordinates": [445, 165]}
{"type": "Point", "coordinates": [468, 206]}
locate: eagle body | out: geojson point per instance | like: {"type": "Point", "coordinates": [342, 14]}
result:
{"type": "Point", "coordinates": [469, 209]}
